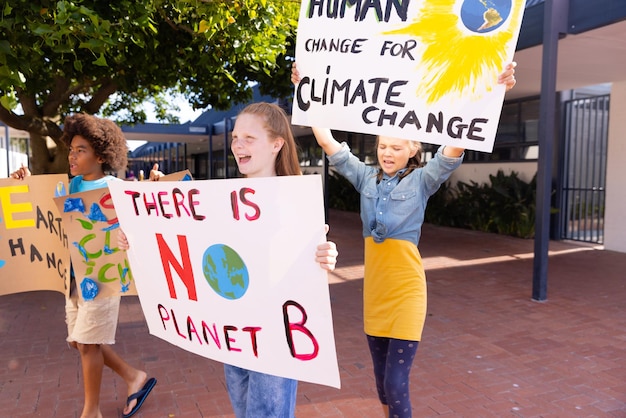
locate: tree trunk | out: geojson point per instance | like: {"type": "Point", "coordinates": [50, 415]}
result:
{"type": "Point", "coordinates": [47, 160]}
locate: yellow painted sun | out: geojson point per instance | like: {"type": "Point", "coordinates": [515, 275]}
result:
{"type": "Point", "coordinates": [457, 61]}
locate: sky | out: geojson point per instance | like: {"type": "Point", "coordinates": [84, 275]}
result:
{"type": "Point", "coordinates": [185, 114]}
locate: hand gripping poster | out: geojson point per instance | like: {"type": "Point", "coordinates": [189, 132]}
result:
{"type": "Point", "coordinates": [226, 269]}
{"type": "Point", "coordinates": [34, 253]}
{"type": "Point", "coordinates": [424, 70]}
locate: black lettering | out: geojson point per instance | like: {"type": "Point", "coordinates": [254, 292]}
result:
{"type": "Point", "coordinates": [34, 253]}
{"type": "Point", "coordinates": [473, 129]}
{"type": "Point", "coordinates": [410, 118]}
{"type": "Point", "coordinates": [13, 246]}
{"type": "Point", "coordinates": [435, 121]}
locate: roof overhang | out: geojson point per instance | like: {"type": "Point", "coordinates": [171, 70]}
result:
{"type": "Point", "coordinates": [593, 51]}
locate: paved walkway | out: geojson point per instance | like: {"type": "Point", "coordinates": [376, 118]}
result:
{"type": "Point", "coordinates": [488, 350]}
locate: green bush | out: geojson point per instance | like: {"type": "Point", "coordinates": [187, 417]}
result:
{"type": "Point", "coordinates": [341, 194]}
{"type": "Point", "coordinates": [505, 206]}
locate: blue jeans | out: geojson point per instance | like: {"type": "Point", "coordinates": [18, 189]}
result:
{"type": "Point", "coordinates": [259, 395]}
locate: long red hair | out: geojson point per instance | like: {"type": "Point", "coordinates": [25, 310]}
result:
{"type": "Point", "coordinates": [277, 124]}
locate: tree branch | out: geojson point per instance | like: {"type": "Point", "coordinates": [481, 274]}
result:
{"type": "Point", "coordinates": [59, 95]}
{"type": "Point", "coordinates": [107, 88]}
{"type": "Point", "coordinates": [28, 102]}
{"type": "Point", "coordinates": [31, 124]}
{"type": "Point", "coordinates": [11, 119]}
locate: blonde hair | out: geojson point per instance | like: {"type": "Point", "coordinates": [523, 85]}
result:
{"type": "Point", "coordinates": [413, 163]}
{"type": "Point", "coordinates": [276, 122]}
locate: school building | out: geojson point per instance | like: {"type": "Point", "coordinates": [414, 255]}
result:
{"type": "Point", "coordinates": [571, 81]}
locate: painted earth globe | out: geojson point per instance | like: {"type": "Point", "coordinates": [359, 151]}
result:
{"type": "Point", "coordinates": [484, 15]}
{"type": "Point", "coordinates": [225, 271]}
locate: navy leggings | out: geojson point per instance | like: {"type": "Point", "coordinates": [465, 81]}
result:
{"type": "Point", "coordinates": [392, 360]}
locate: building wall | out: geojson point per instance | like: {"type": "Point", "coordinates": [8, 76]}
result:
{"type": "Point", "coordinates": [615, 221]}
{"type": "Point", "coordinates": [615, 205]}
{"type": "Point", "coordinates": [479, 173]}
{"type": "Point", "coordinates": [15, 158]}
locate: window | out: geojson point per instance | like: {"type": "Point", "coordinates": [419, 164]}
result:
{"type": "Point", "coordinates": [517, 136]}
{"type": "Point", "coordinates": [517, 139]}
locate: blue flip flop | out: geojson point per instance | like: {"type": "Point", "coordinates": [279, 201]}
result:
{"type": "Point", "coordinates": [141, 396]}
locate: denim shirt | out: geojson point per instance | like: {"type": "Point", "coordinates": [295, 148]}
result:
{"type": "Point", "coordinates": [393, 208]}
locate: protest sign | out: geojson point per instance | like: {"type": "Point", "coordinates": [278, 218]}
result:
{"type": "Point", "coordinates": [34, 253]}
{"type": "Point", "coordinates": [184, 175]}
{"type": "Point", "coordinates": [226, 269]}
{"type": "Point", "coordinates": [100, 268]}
{"type": "Point", "coordinates": [424, 70]}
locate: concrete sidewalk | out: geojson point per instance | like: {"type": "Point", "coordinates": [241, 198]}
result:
{"type": "Point", "coordinates": [488, 350]}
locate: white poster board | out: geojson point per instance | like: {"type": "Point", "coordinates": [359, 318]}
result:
{"type": "Point", "coordinates": [424, 70]}
{"type": "Point", "coordinates": [226, 269]}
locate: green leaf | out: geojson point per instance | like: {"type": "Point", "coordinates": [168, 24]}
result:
{"type": "Point", "coordinates": [8, 102]}
{"type": "Point", "coordinates": [210, 51]}
{"type": "Point", "coordinates": [85, 224]}
{"type": "Point", "coordinates": [101, 61]}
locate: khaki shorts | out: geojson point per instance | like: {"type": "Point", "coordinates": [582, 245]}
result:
{"type": "Point", "coordinates": [93, 322]}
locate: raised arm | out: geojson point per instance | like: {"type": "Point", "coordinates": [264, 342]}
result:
{"type": "Point", "coordinates": [325, 139]}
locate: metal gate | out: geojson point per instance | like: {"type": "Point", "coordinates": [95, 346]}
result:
{"type": "Point", "coordinates": [583, 175]}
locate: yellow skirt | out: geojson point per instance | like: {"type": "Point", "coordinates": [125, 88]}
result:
{"type": "Point", "coordinates": [394, 290]}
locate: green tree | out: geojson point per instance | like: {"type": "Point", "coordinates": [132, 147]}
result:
{"type": "Point", "coordinates": [67, 56]}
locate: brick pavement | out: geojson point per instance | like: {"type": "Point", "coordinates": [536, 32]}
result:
{"type": "Point", "coordinates": [488, 350]}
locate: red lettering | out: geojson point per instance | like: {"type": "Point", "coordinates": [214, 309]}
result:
{"type": "Point", "coordinates": [165, 316]}
{"type": "Point", "coordinates": [242, 195]}
{"type": "Point", "coordinates": [107, 202]}
{"type": "Point", "coordinates": [193, 204]}
{"type": "Point", "coordinates": [191, 329]}
{"type": "Point", "coordinates": [205, 329]}
{"type": "Point", "coordinates": [228, 339]}
{"type": "Point", "coordinates": [209, 332]}
{"type": "Point", "coordinates": [234, 204]}
{"type": "Point", "coordinates": [290, 327]}
{"type": "Point", "coordinates": [162, 203]}
{"type": "Point", "coordinates": [185, 272]}
{"type": "Point", "coordinates": [253, 331]}
{"type": "Point", "coordinates": [134, 196]}
{"type": "Point", "coordinates": [150, 205]}
{"type": "Point", "coordinates": [176, 324]}
{"type": "Point", "coordinates": [179, 203]}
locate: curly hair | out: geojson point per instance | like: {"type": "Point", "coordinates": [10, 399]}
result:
{"type": "Point", "coordinates": [104, 136]}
